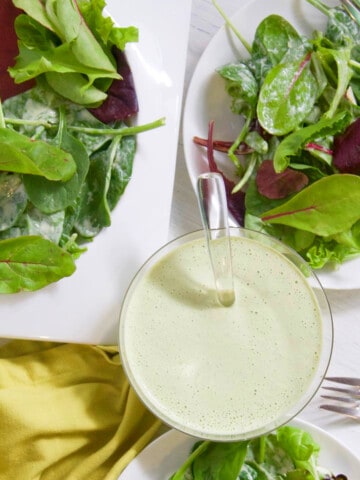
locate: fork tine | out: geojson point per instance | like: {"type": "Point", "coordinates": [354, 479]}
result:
{"type": "Point", "coordinates": [353, 401]}
{"type": "Point", "coordinates": [353, 381]}
{"type": "Point", "coordinates": [347, 391]}
{"type": "Point", "coordinates": [349, 412]}
{"type": "Point", "coordinates": [356, 3]}
{"type": "Point", "coordinates": [352, 9]}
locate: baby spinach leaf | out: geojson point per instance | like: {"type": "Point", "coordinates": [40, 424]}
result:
{"type": "Point", "coordinates": [21, 154]}
{"type": "Point", "coordinates": [94, 210]}
{"type": "Point", "coordinates": [50, 197]}
{"type": "Point", "coordinates": [121, 170]}
{"type": "Point", "coordinates": [220, 460]}
{"type": "Point", "coordinates": [326, 207]}
{"type": "Point", "coordinates": [109, 173]}
{"type": "Point", "coordinates": [286, 97]}
{"type": "Point", "coordinates": [30, 262]}
{"type": "Point", "coordinates": [45, 225]}
{"type": "Point", "coordinates": [277, 40]}
{"type": "Point", "coordinates": [13, 199]}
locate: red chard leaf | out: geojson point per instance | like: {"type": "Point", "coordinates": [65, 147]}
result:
{"type": "Point", "coordinates": [122, 102]}
{"type": "Point", "coordinates": [346, 156]}
{"type": "Point", "coordinates": [279, 185]}
{"type": "Point", "coordinates": [8, 51]}
{"type": "Point", "coordinates": [236, 201]}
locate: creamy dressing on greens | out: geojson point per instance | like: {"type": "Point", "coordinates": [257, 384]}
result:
{"type": "Point", "coordinates": [217, 370]}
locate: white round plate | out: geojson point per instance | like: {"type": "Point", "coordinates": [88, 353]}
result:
{"type": "Point", "coordinates": [207, 99]}
{"type": "Point", "coordinates": [166, 454]}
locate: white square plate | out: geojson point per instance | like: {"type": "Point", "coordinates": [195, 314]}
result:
{"type": "Point", "coordinates": [84, 308]}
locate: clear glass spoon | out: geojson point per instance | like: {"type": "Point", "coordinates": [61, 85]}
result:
{"type": "Point", "coordinates": [214, 215]}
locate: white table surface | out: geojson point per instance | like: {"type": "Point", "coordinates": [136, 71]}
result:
{"type": "Point", "coordinates": [205, 21]}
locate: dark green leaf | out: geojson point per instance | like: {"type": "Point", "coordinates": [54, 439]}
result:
{"type": "Point", "coordinates": [50, 196]}
{"type": "Point", "coordinates": [220, 461]}
{"type": "Point", "coordinates": [13, 199]}
{"type": "Point", "coordinates": [94, 210]}
{"type": "Point", "coordinates": [121, 170]}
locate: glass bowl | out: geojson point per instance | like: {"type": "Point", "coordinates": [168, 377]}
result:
{"type": "Point", "coordinates": [225, 373]}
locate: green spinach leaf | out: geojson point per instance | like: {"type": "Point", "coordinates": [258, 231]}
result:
{"type": "Point", "coordinates": [287, 96]}
{"type": "Point", "coordinates": [13, 199]}
{"type": "Point", "coordinates": [50, 197]}
{"type": "Point", "coordinates": [29, 263]}
{"type": "Point", "coordinates": [21, 154]}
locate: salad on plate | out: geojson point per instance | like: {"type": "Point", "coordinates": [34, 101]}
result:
{"type": "Point", "coordinates": [295, 162]}
{"type": "Point", "coordinates": [288, 453]}
{"type": "Point", "coordinates": [67, 139]}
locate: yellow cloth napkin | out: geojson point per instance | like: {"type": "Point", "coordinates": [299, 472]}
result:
{"type": "Point", "coordinates": [67, 412]}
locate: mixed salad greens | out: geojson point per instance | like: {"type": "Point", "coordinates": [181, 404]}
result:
{"type": "Point", "coordinates": [67, 144]}
{"type": "Point", "coordinates": [289, 453]}
{"type": "Point", "coordinates": [297, 155]}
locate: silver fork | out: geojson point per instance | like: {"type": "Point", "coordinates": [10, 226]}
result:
{"type": "Point", "coordinates": [348, 403]}
{"type": "Point", "coordinates": [353, 9]}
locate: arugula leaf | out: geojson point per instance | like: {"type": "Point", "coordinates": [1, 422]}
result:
{"type": "Point", "coordinates": [292, 144]}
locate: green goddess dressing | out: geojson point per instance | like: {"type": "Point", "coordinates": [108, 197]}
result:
{"type": "Point", "coordinates": [220, 371]}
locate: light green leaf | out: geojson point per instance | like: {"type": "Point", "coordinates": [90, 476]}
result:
{"type": "Point", "coordinates": [21, 154]}
{"type": "Point", "coordinates": [326, 207]}
{"type": "Point", "coordinates": [286, 97]}
{"type": "Point", "coordinates": [29, 263]}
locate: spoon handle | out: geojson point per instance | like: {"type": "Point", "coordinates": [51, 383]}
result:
{"type": "Point", "coordinates": [214, 215]}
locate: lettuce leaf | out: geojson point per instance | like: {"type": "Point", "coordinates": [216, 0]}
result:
{"type": "Point", "coordinates": [55, 41]}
